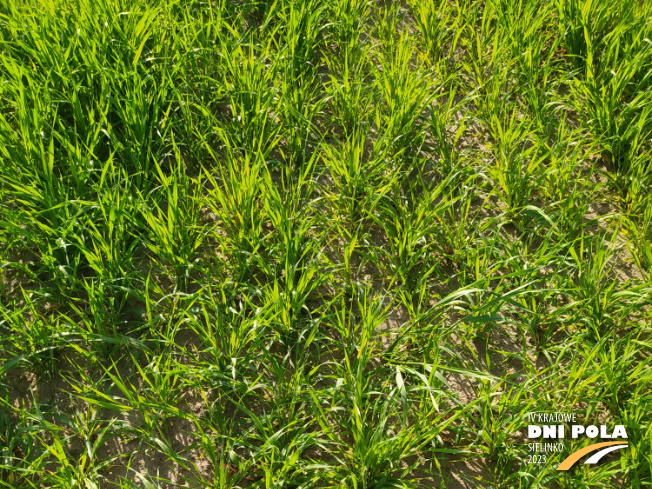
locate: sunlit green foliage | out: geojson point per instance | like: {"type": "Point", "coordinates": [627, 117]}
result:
{"type": "Point", "coordinates": [322, 243]}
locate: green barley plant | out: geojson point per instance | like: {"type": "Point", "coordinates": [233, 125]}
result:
{"type": "Point", "coordinates": [355, 177]}
{"type": "Point", "coordinates": [17, 442]}
{"type": "Point", "coordinates": [281, 434]}
{"type": "Point", "coordinates": [250, 89]}
{"type": "Point", "coordinates": [412, 236]}
{"type": "Point", "coordinates": [388, 19]}
{"type": "Point", "coordinates": [176, 234]}
{"type": "Point", "coordinates": [296, 271]}
{"type": "Point", "coordinates": [33, 337]}
{"type": "Point", "coordinates": [437, 28]}
{"type": "Point", "coordinates": [350, 94]}
{"type": "Point", "coordinates": [23, 459]}
{"type": "Point", "coordinates": [516, 169]}
{"type": "Point", "coordinates": [595, 287]}
{"type": "Point", "coordinates": [620, 121]}
{"type": "Point", "coordinates": [583, 25]}
{"type": "Point", "coordinates": [641, 244]}
{"type": "Point", "coordinates": [404, 96]}
{"type": "Point", "coordinates": [446, 141]}
{"type": "Point", "coordinates": [299, 100]}
{"type": "Point", "coordinates": [347, 28]}
{"type": "Point", "coordinates": [236, 199]}
{"type": "Point", "coordinates": [230, 326]}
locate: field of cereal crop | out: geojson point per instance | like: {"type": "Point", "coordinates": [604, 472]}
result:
{"type": "Point", "coordinates": [323, 243]}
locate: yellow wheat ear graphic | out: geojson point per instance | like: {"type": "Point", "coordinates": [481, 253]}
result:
{"type": "Point", "coordinates": [574, 457]}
